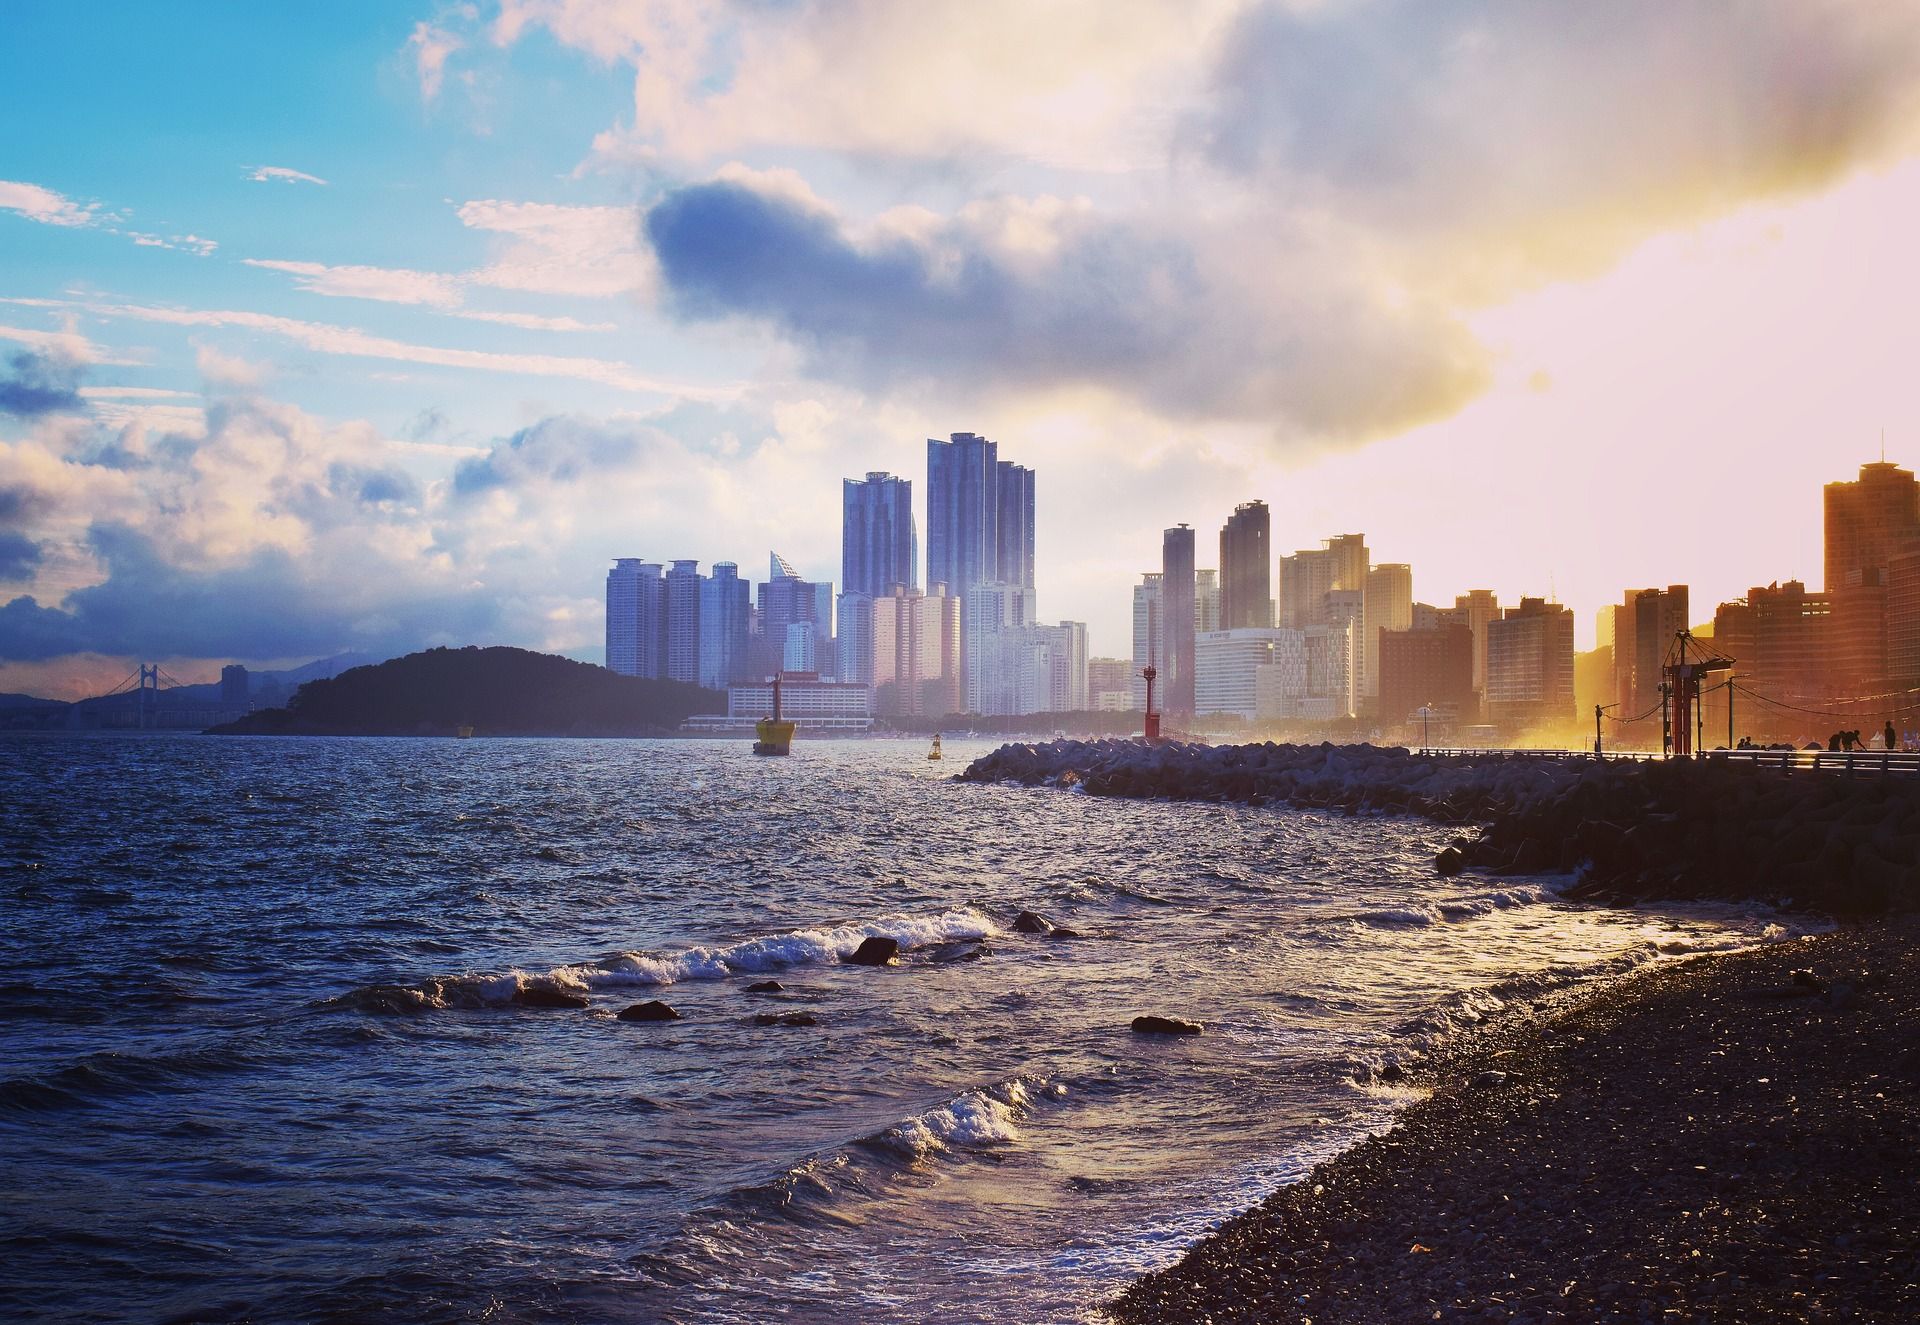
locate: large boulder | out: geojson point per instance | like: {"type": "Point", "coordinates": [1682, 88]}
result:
{"type": "Point", "coordinates": [546, 996]}
{"type": "Point", "coordinates": [1449, 862]}
{"type": "Point", "coordinates": [1029, 922]}
{"type": "Point", "coordinates": [652, 1010]}
{"type": "Point", "coordinates": [875, 951]}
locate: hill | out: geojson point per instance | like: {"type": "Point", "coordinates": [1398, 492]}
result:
{"type": "Point", "coordinates": [498, 691]}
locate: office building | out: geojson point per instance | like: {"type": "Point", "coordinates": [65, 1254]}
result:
{"type": "Point", "coordinates": [1177, 598]}
{"type": "Point", "coordinates": [725, 612]}
{"type": "Point", "coordinates": [1232, 666]}
{"type": "Point", "coordinates": [1430, 668]}
{"type": "Point", "coordinates": [785, 601]}
{"type": "Point", "coordinates": [1530, 665]}
{"type": "Point", "coordinates": [1903, 621]}
{"type": "Point", "coordinates": [879, 544]}
{"type": "Point", "coordinates": [1246, 568]}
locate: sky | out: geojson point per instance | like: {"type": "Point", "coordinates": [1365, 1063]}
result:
{"type": "Point", "coordinates": [373, 326]}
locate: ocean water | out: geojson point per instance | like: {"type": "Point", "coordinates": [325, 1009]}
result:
{"type": "Point", "coordinates": [261, 1062]}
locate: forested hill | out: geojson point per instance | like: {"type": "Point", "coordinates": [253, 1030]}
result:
{"type": "Point", "coordinates": [497, 691]}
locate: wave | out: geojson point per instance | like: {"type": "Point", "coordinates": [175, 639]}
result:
{"type": "Point", "coordinates": [1419, 916]}
{"type": "Point", "coordinates": [102, 1076]}
{"type": "Point", "coordinates": [772, 952]}
{"type": "Point", "coordinates": [973, 1119]}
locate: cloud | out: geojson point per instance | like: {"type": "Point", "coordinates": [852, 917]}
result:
{"type": "Point", "coordinates": [431, 45]}
{"type": "Point", "coordinates": [1033, 295]}
{"type": "Point", "coordinates": [1083, 84]}
{"type": "Point", "coordinates": [194, 244]}
{"type": "Point", "coordinates": [227, 370]}
{"type": "Point", "coordinates": [282, 174]}
{"type": "Point", "coordinates": [392, 285]}
{"type": "Point", "coordinates": [36, 384]}
{"type": "Point", "coordinates": [1547, 137]}
{"type": "Point", "coordinates": [326, 338]}
{"type": "Point", "coordinates": [44, 205]}
{"type": "Point", "coordinates": [593, 252]}
{"type": "Point", "coordinates": [18, 556]}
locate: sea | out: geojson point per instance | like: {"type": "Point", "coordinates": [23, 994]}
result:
{"type": "Point", "coordinates": [262, 1059]}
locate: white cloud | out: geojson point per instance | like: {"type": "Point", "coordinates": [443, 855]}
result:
{"type": "Point", "coordinates": [431, 46]}
{"type": "Point", "coordinates": [228, 370]}
{"type": "Point", "coordinates": [534, 322]}
{"type": "Point", "coordinates": [44, 205]}
{"type": "Point", "coordinates": [69, 345]}
{"type": "Point", "coordinates": [394, 285]}
{"type": "Point", "coordinates": [283, 175]}
{"type": "Point", "coordinates": [136, 393]}
{"type": "Point", "coordinates": [326, 338]}
{"type": "Point", "coordinates": [548, 248]}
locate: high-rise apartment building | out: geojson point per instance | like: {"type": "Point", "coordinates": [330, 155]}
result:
{"type": "Point", "coordinates": [1246, 568]}
{"type": "Point", "coordinates": [853, 638]}
{"type": "Point", "coordinates": [879, 544]}
{"type": "Point", "coordinates": [1644, 626]}
{"type": "Point", "coordinates": [1148, 647]}
{"type": "Point", "coordinates": [1779, 637]}
{"type": "Point", "coordinates": [1206, 601]}
{"type": "Point", "coordinates": [916, 653]}
{"type": "Point", "coordinates": [1868, 521]}
{"type": "Point", "coordinates": [1430, 669]}
{"type": "Point", "coordinates": [1305, 579]}
{"type": "Point", "coordinates": [1903, 621]}
{"type": "Point", "coordinates": [1109, 686]}
{"type": "Point", "coordinates": [636, 619]}
{"type": "Point", "coordinates": [796, 621]}
{"type": "Point", "coordinates": [1013, 530]}
{"type": "Point", "coordinates": [1387, 605]}
{"type": "Point", "coordinates": [1477, 607]}
{"type": "Point", "coordinates": [1530, 664]}
{"type": "Point", "coordinates": [725, 607]}
{"type": "Point", "coordinates": [683, 581]}
{"type": "Point", "coordinates": [987, 612]}
{"type": "Point", "coordinates": [1176, 591]}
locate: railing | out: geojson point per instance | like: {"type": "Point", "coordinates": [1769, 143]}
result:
{"type": "Point", "coordinates": [1845, 763]}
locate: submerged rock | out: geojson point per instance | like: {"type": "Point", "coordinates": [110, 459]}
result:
{"type": "Point", "coordinates": [765, 987]}
{"type": "Point", "coordinates": [546, 996]}
{"type": "Point", "coordinates": [1166, 1026]}
{"type": "Point", "coordinates": [876, 951]}
{"type": "Point", "coordinates": [1028, 922]}
{"type": "Point", "coordinates": [1449, 862]}
{"type": "Point", "coordinates": [651, 1010]}
{"type": "Point", "coordinates": [785, 1019]}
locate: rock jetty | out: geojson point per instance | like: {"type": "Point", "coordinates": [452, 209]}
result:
{"type": "Point", "coordinates": [1631, 831]}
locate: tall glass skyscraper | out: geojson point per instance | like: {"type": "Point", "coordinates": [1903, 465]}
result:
{"type": "Point", "coordinates": [725, 603]}
{"type": "Point", "coordinates": [683, 583]}
{"type": "Point", "coordinates": [980, 520]}
{"type": "Point", "coordinates": [636, 619]}
{"type": "Point", "coordinates": [879, 544]}
{"type": "Point", "coordinates": [1246, 567]}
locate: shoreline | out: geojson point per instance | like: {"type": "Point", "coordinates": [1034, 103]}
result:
{"type": "Point", "coordinates": [1715, 1138]}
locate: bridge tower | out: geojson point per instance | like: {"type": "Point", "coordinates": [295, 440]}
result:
{"type": "Point", "coordinates": [149, 703]}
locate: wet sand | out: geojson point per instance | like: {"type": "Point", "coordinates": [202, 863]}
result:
{"type": "Point", "coordinates": [1719, 1139]}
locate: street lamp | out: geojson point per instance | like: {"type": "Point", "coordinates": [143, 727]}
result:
{"type": "Point", "coordinates": [1426, 711]}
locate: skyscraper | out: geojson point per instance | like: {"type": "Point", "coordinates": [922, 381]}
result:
{"type": "Point", "coordinates": [1868, 521]}
{"type": "Point", "coordinates": [1644, 626]}
{"type": "Point", "coordinates": [788, 602]}
{"type": "Point", "coordinates": [683, 585]}
{"type": "Point", "coordinates": [1176, 595]}
{"type": "Point", "coordinates": [1206, 601]}
{"type": "Point", "coordinates": [1478, 607]}
{"type": "Point", "coordinates": [1246, 561]}
{"type": "Point", "coordinates": [879, 545]}
{"type": "Point", "coordinates": [1388, 605]}
{"type": "Point", "coordinates": [725, 605]}
{"type": "Point", "coordinates": [980, 524]}
{"type": "Point", "coordinates": [1148, 647]}
{"type": "Point", "coordinates": [636, 619]}
{"type": "Point", "coordinates": [1530, 664]}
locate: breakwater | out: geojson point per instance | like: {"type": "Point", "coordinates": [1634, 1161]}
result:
{"type": "Point", "coordinates": [1629, 831]}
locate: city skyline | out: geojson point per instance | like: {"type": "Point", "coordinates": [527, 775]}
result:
{"type": "Point", "coordinates": [369, 333]}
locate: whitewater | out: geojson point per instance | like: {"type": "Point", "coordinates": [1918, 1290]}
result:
{"type": "Point", "coordinates": [267, 1053]}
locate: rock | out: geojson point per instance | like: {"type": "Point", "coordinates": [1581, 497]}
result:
{"type": "Point", "coordinates": [652, 1010]}
{"type": "Point", "coordinates": [1490, 1080]}
{"type": "Point", "coordinates": [1062, 932]}
{"type": "Point", "coordinates": [875, 951]}
{"type": "Point", "coordinates": [1029, 923]}
{"type": "Point", "coordinates": [1391, 1072]}
{"type": "Point", "coordinates": [765, 987]}
{"type": "Point", "coordinates": [1165, 1026]}
{"type": "Point", "coordinates": [546, 996]}
{"type": "Point", "coordinates": [1806, 980]}
{"type": "Point", "coordinates": [785, 1019]}
{"type": "Point", "coordinates": [1449, 862]}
